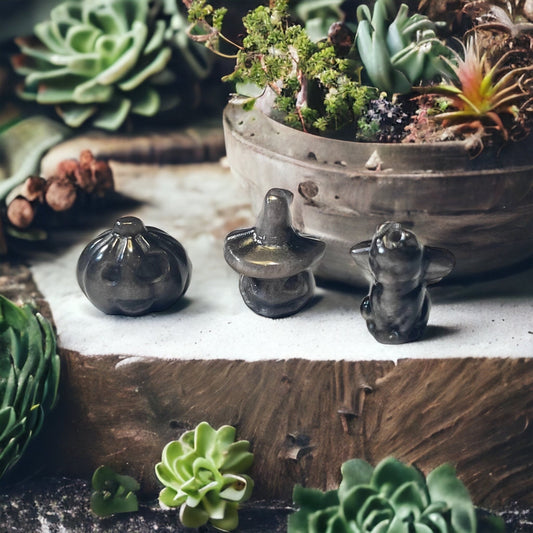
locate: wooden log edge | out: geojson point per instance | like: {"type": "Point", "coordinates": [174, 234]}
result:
{"type": "Point", "coordinates": [303, 418]}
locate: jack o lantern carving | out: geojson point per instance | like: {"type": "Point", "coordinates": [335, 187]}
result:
{"type": "Point", "coordinates": [133, 269]}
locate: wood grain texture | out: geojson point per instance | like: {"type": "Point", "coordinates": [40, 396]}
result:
{"type": "Point", "coordinates": [201, 142]}
{"type": "Point", "coordinates": [304, 418]}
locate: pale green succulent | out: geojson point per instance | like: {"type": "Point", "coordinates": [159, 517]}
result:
{"type": "Point", "coordinates": [203, 474]}
{"type": "Point", "coordinates": [392, 498]}
{"type": "Point", "coordinates": [100, 60]}
{"type": "Point", "coordinates": [398, 51]}
{"type": "Point", "coordinates": [29, 378]}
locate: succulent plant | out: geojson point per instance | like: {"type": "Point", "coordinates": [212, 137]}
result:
{"type": "Point", "coordinates": [29, 378]}
{"type": "Point", "coordinates": [398, 51]}
{"type": "Point", "coordinates": [384, 121]}
{"type": "Point", "coordinates": [203, 474]}
{"type": "Point", "coordinates": [100, 60]}
{"type": "Point", "coordinates": [392, 498]}
{"type": "Point", "coordinates": [113, 493]}
{"type": "Point", "coordinates": [318, 16]}
{"type": "Point", "coordinates": [485, 94]}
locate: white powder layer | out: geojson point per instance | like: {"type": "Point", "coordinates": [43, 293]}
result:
{"type": "Point", "coordinates": [199, 205]}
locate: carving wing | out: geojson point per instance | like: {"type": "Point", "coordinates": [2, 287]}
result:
{"type": "Point", "coordinates": [439, 263]}
{"type": "Point", "coordinates": [360, 253]}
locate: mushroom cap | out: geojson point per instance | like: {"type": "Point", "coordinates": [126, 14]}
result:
{"type": "Point", "coordinates": [272, 249]}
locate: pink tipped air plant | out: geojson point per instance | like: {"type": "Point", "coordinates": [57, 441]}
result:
{"type": "Point", "coordinates": [483, 95]}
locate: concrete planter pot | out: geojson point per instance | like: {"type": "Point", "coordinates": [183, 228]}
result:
{"type": "Point", "coordinates": [479, 208]}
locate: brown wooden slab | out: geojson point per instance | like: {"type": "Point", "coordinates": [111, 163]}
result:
{"type": "Point", "coordinates": [304, 418]}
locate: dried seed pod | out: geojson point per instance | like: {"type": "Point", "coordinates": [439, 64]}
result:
{"type": "Point", "coordinates": [33, 189]}
{"type": "Point", "coordinates": [86, 158]}
{"type": "Point", "coordinates": [341, 37]}
{"type": "Point", "coordinates": [94, 176]}
{"type": "Point", "coordinates": [84, 175]}
{"type": "Point", "coordinates": [60, 193]}
{"type": "Point", "coordinates": [103, 177]}
{"type": "Point", "coordinates": [68, 169]}
{"type": "Point", "coordinates": [20, 212]}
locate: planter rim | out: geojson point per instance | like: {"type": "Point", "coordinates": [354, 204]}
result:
{"type": "Point", "coordinates": [407, 160]}
{"type": "Point", "coordinates": [480, 210]}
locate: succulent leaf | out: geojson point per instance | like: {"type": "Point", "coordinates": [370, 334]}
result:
{"type": "Point", "coordinates": [203, 474]}
{"type": "Point", "coordinates": [396, 50]}
{"type": "Point", "coordinates": [113, 493]}
{"type": "Point", "coordinates": [392, 498]}
{"type": "Point", "coordinates": [318, 16]}
{"type": "Point", "coordinates": [444, 486]}
{"type": "Point", "coordinates": [97, 60]}
{"type": "Point", "coordinates": [29, 378]}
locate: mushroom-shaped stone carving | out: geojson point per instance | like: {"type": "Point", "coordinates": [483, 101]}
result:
{"type": "Point", "coordinates": [274, 260]}
{"type": "Point", "coordinates": [133, 270]}
{"type": "Point", "coordinates": [397, 308]}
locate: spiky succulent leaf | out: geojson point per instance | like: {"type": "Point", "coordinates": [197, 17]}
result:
{"type": "Point", "coordinates": [392, 498]}
{"type": "Point", "coordinates": [100, 60]}
{"type": "Point", "coordinates": [203, 474]}
{"type": "Point", "coordinates": [397, 50]}
{"type": "Point", "coordinates": [29, 378]}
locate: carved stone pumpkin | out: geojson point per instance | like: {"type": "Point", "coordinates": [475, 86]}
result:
{"type": "Point", "coordinates": [133, 270]}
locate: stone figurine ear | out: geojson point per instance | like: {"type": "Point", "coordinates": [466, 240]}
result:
{"type": "Point", "coordinates": [439, 263]}
{"type": "Point", "coordinates": [360, 254]}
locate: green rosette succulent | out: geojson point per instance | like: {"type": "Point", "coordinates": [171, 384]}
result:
{"type": "Point", "coordinates": [392, 498]}
{"type": "Point", "coordinates": [113, 493]}
{"type": "Point", "coordinates": [398, 51]}
{"type": "Point", "coordinates": [29, 378]}
{"type": "Point", "coordinates": [203, 474]}
{"type": "Point", "coordinates": [100, 60]}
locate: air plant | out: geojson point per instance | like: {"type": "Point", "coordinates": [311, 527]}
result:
{"type": "Point", "coordinates": [485, 96]}
{"type": "Point", "coordinates": [508, 17]}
